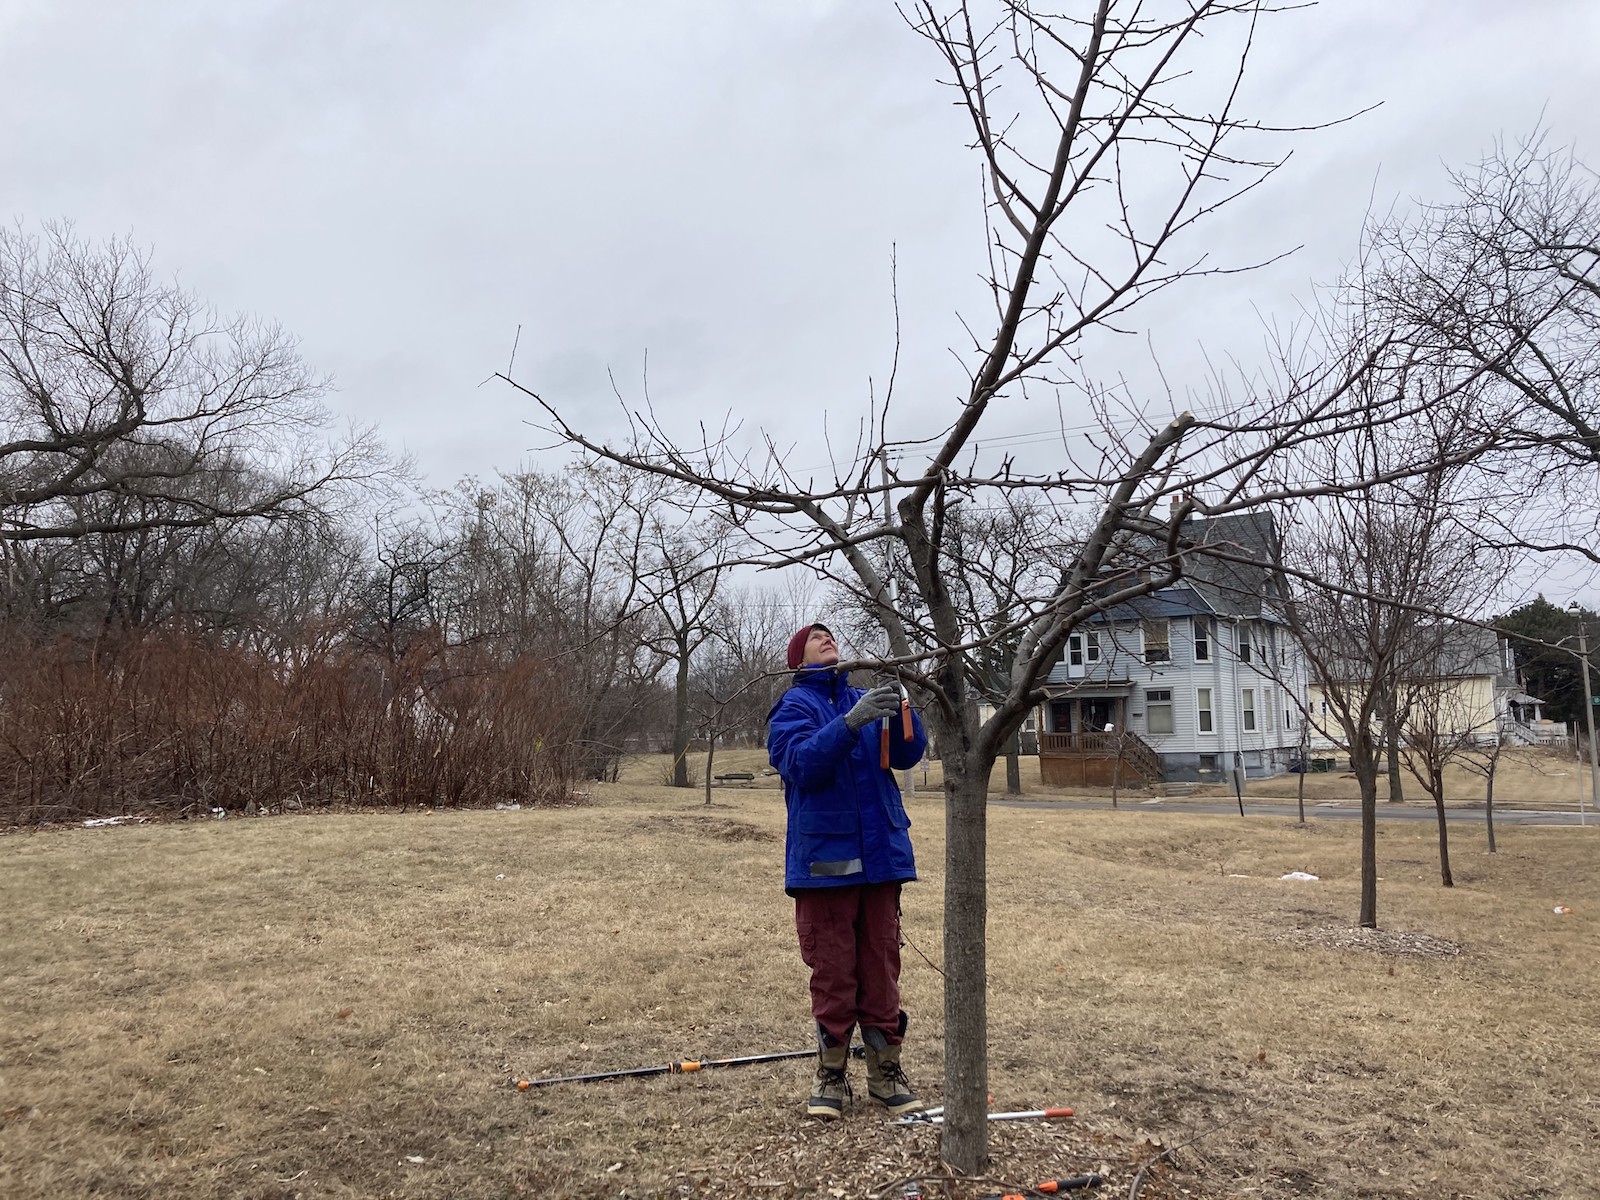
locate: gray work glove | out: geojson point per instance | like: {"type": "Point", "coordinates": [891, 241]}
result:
{"type": "Point", "coordinates": [881, 701]}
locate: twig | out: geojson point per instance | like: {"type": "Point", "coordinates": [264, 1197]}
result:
{"type": "Point", "coordinates": [1166, 1155]}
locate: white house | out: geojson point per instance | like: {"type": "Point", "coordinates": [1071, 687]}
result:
{"type": "Point", "coordinates": [1185, 684]}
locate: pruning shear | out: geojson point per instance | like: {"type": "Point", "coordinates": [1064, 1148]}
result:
{"type": "Point", "coordinates": [905, 725]}
{"type": "Point", "coordinates": [905, 697]}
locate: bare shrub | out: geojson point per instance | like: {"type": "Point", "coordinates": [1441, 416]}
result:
{"type": "Point", "coordinates": [175, 722]}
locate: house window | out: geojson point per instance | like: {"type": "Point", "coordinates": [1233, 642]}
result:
{"type": "Point", "coordinates": [1158, 710]}
{"type": "Point", "coordinates": [1208, 762]}
{"type": "Point", "coordinates": [1247, 710]}
{"type": "Point", "coordinates": [1244, 643]}
{"type": "Point", "coordinates": [1157, 641]}
{"type": "Point", "coordinates": [1202, 704]}
{"type": "Point", "coordinates": [1075, 650]}
{"type": "Point", "coordinates": [1091, 645]}
{"type": "Point", "coordinates": [1288, 715]}
{"type": "Point", "coordinates": [1202, 639]}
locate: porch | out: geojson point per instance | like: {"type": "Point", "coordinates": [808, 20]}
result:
{"type": "Point", "coordinates": [1097, 760]}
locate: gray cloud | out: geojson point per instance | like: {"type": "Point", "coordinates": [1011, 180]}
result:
{"type": "Point", "coordinates": [405, 184]}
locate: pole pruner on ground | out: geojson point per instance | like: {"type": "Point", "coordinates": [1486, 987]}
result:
{"type": "Point", "coordinates": [1052, 1187]}
{"type": "Point", "coordinates": [935, 1116]}
{"type": "Point", "coordinates": [686, 1066]}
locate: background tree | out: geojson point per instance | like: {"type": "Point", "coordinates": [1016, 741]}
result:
{"type": "Point", "coordinates": [1445, 721]}
{"type": "Point", "coordinates": [128, 404]}
{"type": "Point", "coordinates": [738, 682]}
{"type": "Point", "coordinates": [557, 563]}
{"type": "Point", "coordinates": [1364, 575]}
{"type": "Point", "coordinates": [686, 555]}
{"type": "Point", "coordinates": [1544, 645]}
{"type": "Point", "coordinates": [1505, 275]}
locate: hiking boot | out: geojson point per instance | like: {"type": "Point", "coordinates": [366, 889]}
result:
{"type": "Point", "coordinates": [831, 1088]}
{"type": "Point", "coordinates": [886, 1082]}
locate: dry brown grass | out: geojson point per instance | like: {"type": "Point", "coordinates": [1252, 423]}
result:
{"type": "Point", "coordinates": [297, 1006]}
{"type": "Point", "coordinates": [1526, 778]}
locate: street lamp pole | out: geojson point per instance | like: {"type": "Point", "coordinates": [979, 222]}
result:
{"type": "Point", "coordinates": [1588, 715]}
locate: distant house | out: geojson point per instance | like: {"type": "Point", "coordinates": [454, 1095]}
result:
{"type": "Point", "coordinates": [1462, 684]}
{"type": "Point", "coordinates": [1186, 684]}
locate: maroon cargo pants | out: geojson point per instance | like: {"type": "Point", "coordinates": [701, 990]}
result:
{"type": "Point", "coordinates": [850, 938]}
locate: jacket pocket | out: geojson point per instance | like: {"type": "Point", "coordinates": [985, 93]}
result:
{"type": "Point", "coordinates": [830, 843]}
{"type": "Point", "coordinates": [898, 819]}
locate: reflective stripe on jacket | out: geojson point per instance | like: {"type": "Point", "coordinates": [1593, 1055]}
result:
{"type": "Point", "coordinates": [847, 824]}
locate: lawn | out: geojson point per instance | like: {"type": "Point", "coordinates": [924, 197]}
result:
{"type": "Point", "coordinates": [340, 1005]}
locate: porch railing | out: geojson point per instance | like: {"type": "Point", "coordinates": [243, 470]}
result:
{"type": "Point", "coordinates": [1135, 751]}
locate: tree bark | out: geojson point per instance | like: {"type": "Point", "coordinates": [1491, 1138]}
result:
{"type": "Point", "coordinates": [1437, 781]}
{"type": "Point", "coordinates": [966, 1061]}
{"type": "Point", "coordinates": [1391, 747]}
{"type": "Point", "coordinates": [680, 720]}
{"type": "Point", "coordinates": [1365, 766]}
{"type": "Point", "coordinates": [1488, 802]}
{"type": "Point", "coordinates": [1014, 764]}
{"type": "Point", "coordinates": [711, 753]}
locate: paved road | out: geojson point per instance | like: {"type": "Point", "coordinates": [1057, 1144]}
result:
{"type": "Point", "coordinates": [1323, 811]}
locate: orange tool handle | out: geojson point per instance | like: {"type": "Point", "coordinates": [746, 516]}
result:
{"type": "Point", "coordinates": [905, 720]}
{"type": "Point", "coordinates": [883, 745]}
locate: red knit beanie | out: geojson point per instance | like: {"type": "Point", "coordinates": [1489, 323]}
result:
{"type": "Point", "coordinates": [797, 644]}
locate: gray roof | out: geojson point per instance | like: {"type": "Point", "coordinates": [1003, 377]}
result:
{"type": "Point", "coordinates": [1233, 588]}
{"type": "Point", "coordinates": [1441, 650]}
{"type": "Point", "coordinates": [1455, 651]}
{"type": "Point", "coordinates": [1180, 600]}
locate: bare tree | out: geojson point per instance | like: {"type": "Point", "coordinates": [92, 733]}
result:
{"type": "Point", "coordinates": [1484, 759]}
{"type": "Point", "coordinates": [1446, 718]}
{"type": "Point", "coordinates": [559, 562]}
{"type": "Point", "coordinates": [127, 404]}
{"type": "Point", "coordinates": [1102, 100]}
{"type": "Point", "coordinates": [686, 550]}
{"type": "Point", "coordinates": [1505, 274]}
{"type": "Point", "coordinates": [742, 677]}
{"type": "Point", "coordinates": [1366, 574]}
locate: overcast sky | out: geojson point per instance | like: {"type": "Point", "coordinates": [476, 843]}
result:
{"type": "Point", "coordinates": [403, 184]}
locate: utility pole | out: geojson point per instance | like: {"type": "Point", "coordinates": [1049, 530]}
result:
{"type": "Point", "coordinates": [1588, 716]}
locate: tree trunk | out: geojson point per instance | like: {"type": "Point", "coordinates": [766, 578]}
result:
{"type": "Point", "coordinates": [1488, 801]}
{"type": "Point", "coordinates": [1305, 767]}
{"type": "Point", "coordinates": [1014, 765]}
{"type": "Point", "coordinates": [966, 1051]}
{"type": "Point", "coordinates": [1391, 748]}
{"type": "Point", "coordinates": [1436, 780]}
{"type": "Point", "coordinates": [1365, 766]}
{"type": "Point", "coordinates": [680, 721]}
{"type": "Point", "coordinates": [711, 753]}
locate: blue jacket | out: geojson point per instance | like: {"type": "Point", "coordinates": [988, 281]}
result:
{"type": "Point", "coordinates": [846, 822]}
